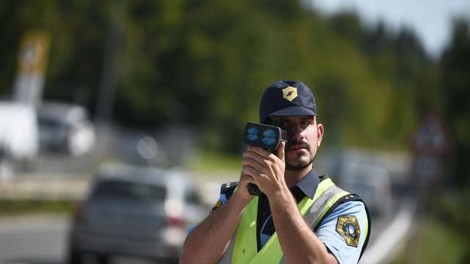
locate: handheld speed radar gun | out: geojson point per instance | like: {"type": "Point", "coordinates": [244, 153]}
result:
{"type": "Point", "coordinates": [264, 136]}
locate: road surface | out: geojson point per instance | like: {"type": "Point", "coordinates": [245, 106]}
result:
{"type": "Point", "coordinates": [33, 240]}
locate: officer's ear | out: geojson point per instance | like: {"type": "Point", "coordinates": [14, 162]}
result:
{"type": "Point", "coordinates": [320, 130]}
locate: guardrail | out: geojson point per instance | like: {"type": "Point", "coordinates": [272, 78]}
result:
{"type": "Point", "coordinates": [39, 187]}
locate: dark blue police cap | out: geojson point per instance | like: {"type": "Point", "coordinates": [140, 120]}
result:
{"type": "Point", "coordinates": [286, 98]}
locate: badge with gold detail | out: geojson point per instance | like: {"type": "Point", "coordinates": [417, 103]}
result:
{"type": "Point", "coordinates": [348, 228]}
{"type": "Point", "coordinates": [289, 93]}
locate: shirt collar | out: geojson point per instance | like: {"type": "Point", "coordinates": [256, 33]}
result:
{"type": "Point", "coordinates": [308, 184]}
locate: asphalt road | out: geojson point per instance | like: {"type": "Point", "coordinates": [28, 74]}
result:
{"type": "Point", "coordinates": [40, 240]}
{"type": "Point", "coordinates": [33, 240]}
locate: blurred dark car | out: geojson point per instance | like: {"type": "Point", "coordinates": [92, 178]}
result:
{"type": "Point", "coordinates": [135, 211]}
{"type": "Point", "coordinates": [372, 182]}
{"type": "Point", "coordinates": [65, 128]}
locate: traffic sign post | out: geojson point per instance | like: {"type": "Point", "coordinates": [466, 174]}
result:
{"type": "Point", "coordinates": [32, 62]}
{"type": "Point", "coordinates": [431, 146]}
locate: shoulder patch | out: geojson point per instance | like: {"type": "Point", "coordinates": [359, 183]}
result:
{"type": "Point", "coordinates": [347, 227]}
{"type": "Point", "coordinates": [226, 191]}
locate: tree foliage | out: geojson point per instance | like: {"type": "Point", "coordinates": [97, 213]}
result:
{"type": "Point", "coordinates": [206, 63]}
{"type": "Point", "coordinates": [455, 65]}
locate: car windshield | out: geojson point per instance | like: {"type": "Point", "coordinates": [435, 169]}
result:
{"type": "Point", "coordinates": [50, 123]}
{"type": "Point", "coordinates": [129, 190]}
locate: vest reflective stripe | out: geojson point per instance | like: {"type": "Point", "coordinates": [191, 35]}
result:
{"type": "Point", "coordinates": [243, 246]}
{"type": "Point", "coordinates": [321, 206]}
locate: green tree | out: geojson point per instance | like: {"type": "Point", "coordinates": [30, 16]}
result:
{"type": "Point", "coordinates": [455, 66]}
{"type": "Point", "coordinates": [206, 63]}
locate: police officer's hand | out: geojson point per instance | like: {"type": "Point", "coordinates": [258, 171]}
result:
{"type": "Point", "coordinates": [242, 190]}
{"type": "Point", "coordinates": [264, 168]}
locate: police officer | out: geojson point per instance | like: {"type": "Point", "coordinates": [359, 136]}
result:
{"type": "Point", "coordinates": [299, 217]}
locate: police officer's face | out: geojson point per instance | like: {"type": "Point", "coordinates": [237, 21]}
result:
{"type": "Point", "coordinates": [305, 136]}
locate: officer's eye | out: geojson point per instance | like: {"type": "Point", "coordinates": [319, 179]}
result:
{"type": "Point", "coordinates": [306, 122]}
{"type": "Point", "coordinates": [286, 125]}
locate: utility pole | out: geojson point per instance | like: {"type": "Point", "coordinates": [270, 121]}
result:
{"type": "Point", "coordinates": [109, 75]}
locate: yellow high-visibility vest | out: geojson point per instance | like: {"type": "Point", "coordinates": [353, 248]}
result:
{"type": "Point", "coordinates": [243, 247]}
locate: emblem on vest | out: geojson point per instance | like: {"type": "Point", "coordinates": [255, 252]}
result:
{"type": "Point", "coordinates": [348, 228]}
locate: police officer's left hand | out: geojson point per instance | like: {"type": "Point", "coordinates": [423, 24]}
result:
{"type": "Point", "coordinates": [265, 168]}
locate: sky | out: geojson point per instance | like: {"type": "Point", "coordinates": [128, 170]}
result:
{"type": "Point", "coordinates": [430, 19]}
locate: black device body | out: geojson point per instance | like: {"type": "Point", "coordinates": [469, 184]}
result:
{"type": "Point", "coordinates": [264, 136]}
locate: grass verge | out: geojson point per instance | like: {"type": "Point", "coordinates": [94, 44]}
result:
{"type": "Point", "coordinates": [443, 236]}
{"type": "Point", "coordinates": [436, 243]}
{"type": "Point", "coordinates": [209, 165]}
{"type": "Point", "coordinates": [19, 207]}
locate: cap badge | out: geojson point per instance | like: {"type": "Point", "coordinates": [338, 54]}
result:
{"type": "Point", "coordinates": [289, 93]}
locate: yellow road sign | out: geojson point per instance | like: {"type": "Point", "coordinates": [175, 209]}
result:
{"type": "Point", "coordinates": [32, 57]}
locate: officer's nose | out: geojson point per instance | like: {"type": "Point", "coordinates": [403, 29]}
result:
{"type": "Point", "coordinates": [296, 133]}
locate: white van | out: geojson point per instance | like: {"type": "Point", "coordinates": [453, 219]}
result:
{"type": "Point", "coordinates": [18, 130]}
{"type": "Point", "coordinates": [18, 135]}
